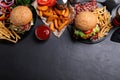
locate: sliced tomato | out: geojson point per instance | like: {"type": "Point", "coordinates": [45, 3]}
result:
{"type": "Point", "coordinates": [52, 3]}
{"type": "Point", "coordinates": [43, 2]}
{"type": "Point", "coordinates": [89, 31]}
{"type": "Point", "coordinates": [46, 2]}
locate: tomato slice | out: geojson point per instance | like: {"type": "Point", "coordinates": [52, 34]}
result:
{"type": "Point", "coordinates": [52, 3]}
{"type": "Point", "coordinates": [43, 2]}
{"type": "Point", "coordinates": [46, 2]}
{"type": "Point", "coordinates": [89, 31]}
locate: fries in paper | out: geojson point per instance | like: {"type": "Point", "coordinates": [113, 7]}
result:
{"type": "Point", "coordinates": [8, 34]}
{"type": "Point", "coordinates": [56, 19]}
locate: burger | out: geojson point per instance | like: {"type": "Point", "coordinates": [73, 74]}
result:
{"type": "Point", "coordinates": [21, 19]}
{"type": "Point", "coordinates": [85, 25]}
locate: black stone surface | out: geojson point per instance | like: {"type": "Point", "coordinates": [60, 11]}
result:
{"type": "Point", "coordinates": [59, 59]}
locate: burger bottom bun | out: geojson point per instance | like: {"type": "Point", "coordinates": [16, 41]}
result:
{"type": "Point", "coordinates": [85, 20]}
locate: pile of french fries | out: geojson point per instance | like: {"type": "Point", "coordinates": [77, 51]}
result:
{"type": "Point", "coordinates": [8, 34]}
{"type": "Point", "coordinates": [104, 21]}
{"type": "Point", "coordinates": [57, 19]}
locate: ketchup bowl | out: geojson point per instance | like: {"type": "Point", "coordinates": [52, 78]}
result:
{"type": "Point", "coordinates": [42, 32]}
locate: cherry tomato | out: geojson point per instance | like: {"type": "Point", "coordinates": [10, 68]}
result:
{"type": "Point", "coordinates": [89, 31]}
{"type": "Point", "coordinates": [42, 32]}
{"type": "Point", "coordinates": [46, 2]}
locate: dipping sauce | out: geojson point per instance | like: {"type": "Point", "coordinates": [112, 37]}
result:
{"type": "Point", "coordinates": [42, 32]}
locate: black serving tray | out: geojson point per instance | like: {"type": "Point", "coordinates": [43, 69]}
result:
{"type": "Point", "coordinates": [87, 41]}
{"type": "Point", "coordinates": [25, 34]}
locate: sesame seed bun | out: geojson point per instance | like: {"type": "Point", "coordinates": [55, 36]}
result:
{"type": "Point", "coordinates": [85, 20]}
{"type": "Point", "coordinates": [20, 15]}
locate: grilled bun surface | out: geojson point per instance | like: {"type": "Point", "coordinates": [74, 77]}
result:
{"type": "Point", "coordinates": [20, 15]}
{"type": "Point", "coordinates": [85, 21]}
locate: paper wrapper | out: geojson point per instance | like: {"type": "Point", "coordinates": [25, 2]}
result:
{"type": "Point", "coordinates": [71, 16]}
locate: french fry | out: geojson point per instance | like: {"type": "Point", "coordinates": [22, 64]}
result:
{"type": "Point", "coordinates": [66, 12]}
{"type": "Point", "coordinates": [41, 13]}
{"type": "Point", "coordinates": [51, 18]}
{"type": "Point", "coordinates": [17, 36]}
{"type": "Point", "coordinates": [50, 10]}
{"type": "Point", "coordinates": [56, 23]}
{"type": "Point", "coordinates": [8, 34]}
{"type": "Point", "coordinates": [52, 28]}
{"type": "Point", "coordinates": [47, 14]}
{"type": "Point", "coordinates": [63, 19]}
{"type": "Point", "coordinates": [3, 33]}
{"type": "Point", "coordinates": [57, 19]}
{"type": "Point", "coordinates": [59, 22]}
{"type": "Point", "coordinates": [54, 13]}
{"type": "Point", "coordinates": [63, 25]}
{"type": "Point", "coordinates": [58, 12]}
{"type": "Point", "coordinates": [3, 30]}
{"type": "Point", "coordinates": [8, 39]}
{"type": "Point", "coordinates": [42, 8]}
{"type": "Point", "coordinates": [63, 12]}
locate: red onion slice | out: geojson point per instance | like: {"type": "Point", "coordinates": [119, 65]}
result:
{"type": "Point", "coordinates": [7, 1]}
{"type": "Point", "coordinates": [4, 5]}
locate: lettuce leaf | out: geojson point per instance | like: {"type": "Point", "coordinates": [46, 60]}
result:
{"type": "Point", "coordinates": [81, 34]}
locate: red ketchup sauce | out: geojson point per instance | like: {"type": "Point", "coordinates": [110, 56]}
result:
{"type": "Point", "coordinates": [42, 32]}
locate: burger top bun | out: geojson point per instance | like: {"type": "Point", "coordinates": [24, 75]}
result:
{"type": "Point", "coordinates": [85, 20]}
{"type": "Point", "coordinates": [20, 15]}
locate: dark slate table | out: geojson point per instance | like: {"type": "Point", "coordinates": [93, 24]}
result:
{"type": "Point", "coordinates": [59, 59]}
